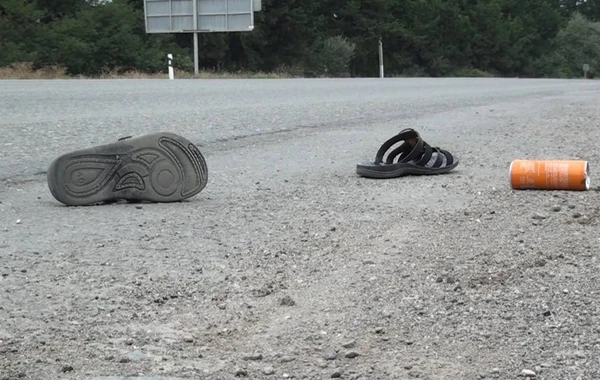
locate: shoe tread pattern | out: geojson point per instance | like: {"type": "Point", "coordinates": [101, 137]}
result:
{"type": "Point", "coordinates": [159, 168]}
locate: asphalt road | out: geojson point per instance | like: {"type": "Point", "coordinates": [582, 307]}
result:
{"type": "Point", "coordinates": [288, 265]}
{"type": "Point", "coordinates": [42, 119]}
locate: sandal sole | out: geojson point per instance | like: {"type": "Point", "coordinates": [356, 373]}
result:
{"type": "Point", "coordinates": [386, 171]}
{"type": "Point", "coordinates": [159, 167]}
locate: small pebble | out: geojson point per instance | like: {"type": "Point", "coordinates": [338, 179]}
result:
{"type": "Point", "coordinates": [556, 208]}
{"type": "Point", "coordinates": [66, 368]}
{"type": "Point", "coordinates": [539, 216]}
{"type": "Point", "coordinates": [268, 371]}
{"type": "Point", "coordinates": [188, 339]}
{"type": "Point", "coordinates": [338, 372]}
{"type": "Point", "coordinates": [241, 372]}
{"type": "Point", "coordinates": [527, 373]}
{"type": "Point", "coordinates": [540, 262]}
{"type": "Point", "coordinates": [351, 354]}
{"type": "Point", "coordinates": [577, 215]}
{"type": "Point", "coordinates": [329, 354]}
{"type": "Point", "coordinates": [287, 301]}
{"type": "Point", "coordinates": [253, 357]}
{"type": "Point", "coordinates": [368, 262]}
{"type": "Point", "coordinates": [349, 344]}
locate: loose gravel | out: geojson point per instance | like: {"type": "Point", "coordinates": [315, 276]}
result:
{"type": "Point", "coordinates": [288, 265]}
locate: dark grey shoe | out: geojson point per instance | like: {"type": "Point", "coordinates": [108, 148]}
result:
{"type": "Point", "coordinates": [159, 167]}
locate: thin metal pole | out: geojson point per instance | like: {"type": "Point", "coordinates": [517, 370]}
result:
{"type": "Point", "coordinates": [196, 69]}
{"type": "Point", "coordinates": [195, 8]}
{"type": "Point", "coordinates": [227, 14]}
{"type": "Point", "coordinates": [170, 14]}
{"type": "Point", "coordinates": [380, 58]}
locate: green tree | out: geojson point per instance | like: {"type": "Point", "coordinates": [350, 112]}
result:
{"type": "Point", "coordinates": [577, 44]}
{"type": "Point", "coordinates": [105, 37]}
{"type": "Point", "coordinates": [428, 37]}
{"type": "Point", "coordinates": [19, 29]}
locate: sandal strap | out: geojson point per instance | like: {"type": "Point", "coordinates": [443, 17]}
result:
{"type": "Point", "coordinates": [427, 153]}
{"type": "Point", "coordinates": [406, 152]}
{"type": "Point", "coordinates": [444, 158]}
{"type": "Point", "coordinates": [410, 152]}
{"type": "Point", "coordinates": [449, 156]}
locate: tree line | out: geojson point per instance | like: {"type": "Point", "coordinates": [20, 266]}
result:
{"type": "Point", "coordinates": [527, 38]}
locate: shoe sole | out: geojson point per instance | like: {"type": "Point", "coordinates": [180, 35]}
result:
{"type": "Point", "coordinates": [159, 167]}
{"type": "Point", "coordinates": [400, 170]}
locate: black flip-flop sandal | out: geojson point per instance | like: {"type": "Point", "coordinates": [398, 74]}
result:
{"type": "Point", "coordinates": [413, 157]}
{"type": "Point", "coordinates": [159, 167]}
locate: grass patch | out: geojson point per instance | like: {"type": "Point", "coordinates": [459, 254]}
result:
{"type": "Point", "coordinates": [472, 73]}
{"type": "Point", "coordinates": [24, 70]}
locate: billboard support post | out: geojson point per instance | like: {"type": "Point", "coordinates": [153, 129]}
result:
{"type": "Point", "coordinates": [195, 7]}
{"type": "Point", "coordinates": [200, 16]}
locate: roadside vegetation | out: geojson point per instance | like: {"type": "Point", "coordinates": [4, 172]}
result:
{"type": "Point", "coordinates": [307, 38]}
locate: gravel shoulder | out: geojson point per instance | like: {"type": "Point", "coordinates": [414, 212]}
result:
{"type": "Point", "coordinates": [288, 265]}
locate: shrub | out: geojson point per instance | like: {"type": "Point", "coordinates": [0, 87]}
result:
{"type": "Point", "coordinates": [577, 44]}
{"type": "Point", "coordinates": [332, 57]}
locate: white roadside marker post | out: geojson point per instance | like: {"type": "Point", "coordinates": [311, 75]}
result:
{"type": "Point", "coordinates": [381, 75]}
{"type": "Point", "coordinates": [170, 60]}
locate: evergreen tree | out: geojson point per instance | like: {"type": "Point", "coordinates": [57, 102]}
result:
{"type": "Point", "coordinates": [311, 37]}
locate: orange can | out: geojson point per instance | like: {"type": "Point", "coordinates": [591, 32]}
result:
{"type": "Point", "coordinates": [550, 175]}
